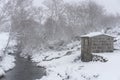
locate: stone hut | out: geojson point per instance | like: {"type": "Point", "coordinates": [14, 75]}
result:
{"type": "Point", "coordinates": [96, 42]}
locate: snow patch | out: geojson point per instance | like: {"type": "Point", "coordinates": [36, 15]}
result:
{"type": "Point", "coordinates": [92, 34]}
{"type": "Point", "coordinates": [7, 61]}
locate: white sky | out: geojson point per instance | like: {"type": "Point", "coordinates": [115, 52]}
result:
{"type": "Point", "coordinates": [112, 6]}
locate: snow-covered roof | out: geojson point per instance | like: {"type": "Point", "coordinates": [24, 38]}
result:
{"type": "Point", "coordinates": [95, 34]}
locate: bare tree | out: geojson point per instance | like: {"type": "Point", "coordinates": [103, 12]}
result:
{"type": "Point", "coordinates": [56, 10]}
{"type": "Point", "coordinates": [84, 17]}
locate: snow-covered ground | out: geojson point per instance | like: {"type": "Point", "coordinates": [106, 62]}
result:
{"type": "Point", "coordinates": [7, 61]}
{"type": "Point", "coordinates": [69, 67]}
{"type": "Point", "coordinates": [66, 64]}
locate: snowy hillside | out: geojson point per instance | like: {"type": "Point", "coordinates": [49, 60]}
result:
{"type": "Point", "coordinates": [66, 65]}
{"type": "Point", "coordinates": [115, 31]}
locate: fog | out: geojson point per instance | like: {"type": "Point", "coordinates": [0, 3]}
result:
{"type": "Point", "coordinates": [111, 6]}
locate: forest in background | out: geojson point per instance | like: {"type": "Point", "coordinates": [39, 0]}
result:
{"type": "Point", "coordinates": [38, 28]}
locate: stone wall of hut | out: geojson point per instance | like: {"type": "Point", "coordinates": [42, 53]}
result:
{"type": "Point", "coordinates": [97, 44]}
{"type": "Point", "coordinates": [102, 43]}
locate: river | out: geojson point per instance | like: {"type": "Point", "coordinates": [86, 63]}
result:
{"type": "Point", "coordinates": [24, 70]}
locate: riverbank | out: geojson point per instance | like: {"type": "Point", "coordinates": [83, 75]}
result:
{"type": "Point", "coordinates": [7, 63]}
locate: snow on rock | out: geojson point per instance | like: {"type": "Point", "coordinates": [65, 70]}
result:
{"type": "Point", "coordinates": [7, 63]}
{"type": "Point", "coordinates": [2, 72]}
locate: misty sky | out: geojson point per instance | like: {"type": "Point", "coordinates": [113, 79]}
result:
{"type": "Point", "coordinates": [112, 6]}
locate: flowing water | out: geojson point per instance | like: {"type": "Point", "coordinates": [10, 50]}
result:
{"type": "Point", "coordinates": [24, 70]}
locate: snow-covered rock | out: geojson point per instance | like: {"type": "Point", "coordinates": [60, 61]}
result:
{"type": "Point", "coordinates": [8, 62]}
{"type": "Point", "coordinates": [2, 72]}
